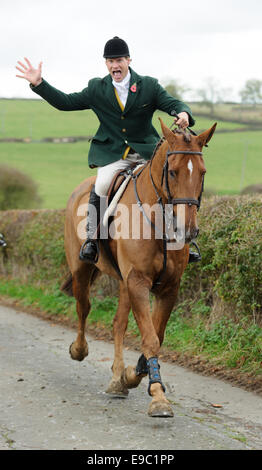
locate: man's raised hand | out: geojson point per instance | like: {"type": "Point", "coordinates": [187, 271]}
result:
{"type": "Point", "coordinates": [30, 74]}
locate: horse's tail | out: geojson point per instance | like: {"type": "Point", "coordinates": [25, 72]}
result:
{"type": "Point", "coordinates": [67, 286]}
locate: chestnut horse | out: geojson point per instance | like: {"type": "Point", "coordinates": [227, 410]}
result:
{"type": "Point", "coordinates": [173, 177]}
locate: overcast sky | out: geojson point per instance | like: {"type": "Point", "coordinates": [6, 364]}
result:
{"type": "Point", "coordinates": [189, 41]}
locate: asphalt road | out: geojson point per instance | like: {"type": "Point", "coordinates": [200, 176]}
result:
{"type": "Point", "coordinates": [50, 402]}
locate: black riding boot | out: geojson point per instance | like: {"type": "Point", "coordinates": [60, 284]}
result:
{"type": "Point", "coordinates": [193, 256]}
{"type": "Point", "coordinates": [89, 249]}
{"type": "Point", "coordinates": [2, 241]}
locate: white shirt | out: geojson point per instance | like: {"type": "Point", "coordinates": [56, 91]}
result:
{"type": "Point", "coordinates": [122, 88]}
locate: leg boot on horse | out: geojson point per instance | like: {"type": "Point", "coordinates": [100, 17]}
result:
{"type": "Point", "coordinates": [89, 249]}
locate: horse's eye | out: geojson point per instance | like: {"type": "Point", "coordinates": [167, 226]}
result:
{"type": "Point", "coordinates": [172, 173]}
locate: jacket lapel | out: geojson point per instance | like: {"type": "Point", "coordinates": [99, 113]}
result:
{"type": "Point", "coordinates": [132, 95]}
{"type": "Point", "coordinates": [135, 86]}
{"type": "Point", "coordinates": [110, 93]}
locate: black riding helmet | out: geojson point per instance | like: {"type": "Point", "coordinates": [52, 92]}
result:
{"type": "Point", "coordinates": [116, 47]}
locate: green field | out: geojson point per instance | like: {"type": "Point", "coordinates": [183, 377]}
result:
{"type": "Point", "coordinates": [233, 159]}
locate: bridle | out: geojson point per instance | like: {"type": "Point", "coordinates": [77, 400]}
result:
{"type": "Point", "coordinates": [189, 201]}
{"type": "Point", "coordinates": [172, 201]}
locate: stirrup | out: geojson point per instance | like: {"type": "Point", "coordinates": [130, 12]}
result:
{"type": "Point", "coordinates": [193, 256]}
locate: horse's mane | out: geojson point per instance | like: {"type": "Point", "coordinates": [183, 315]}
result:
{"type": "Point", "coordinates": [159, 143]}
{"type": "Point", "coordinates": [186, 136]}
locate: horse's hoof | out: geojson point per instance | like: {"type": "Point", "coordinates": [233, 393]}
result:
{"type": "Point", "coordinates": [117, 389]}
{"type": "Point", "coordinates": [78, 354]}
{"type": "Point", "coordinates": [160, 409]}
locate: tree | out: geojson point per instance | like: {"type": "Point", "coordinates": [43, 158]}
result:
{"type": "Point", "coordinates": [175, 89]}
{"type": "Point", "coordinates": [17, 190]}
{"type": "Point", "coordinates": [252, 92]}
{"type": "Point", "coordinates": [210, 94]}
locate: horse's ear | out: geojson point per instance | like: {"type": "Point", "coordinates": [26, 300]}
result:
{"type": "Point", "coordinates": [206, 136]}
{"type": "Point", "coordinates": [167, 133]}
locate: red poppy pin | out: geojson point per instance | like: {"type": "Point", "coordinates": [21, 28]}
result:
{"type": "Point", "coordinates": [133, 88]}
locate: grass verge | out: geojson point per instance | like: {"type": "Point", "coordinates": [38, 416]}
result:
{"type": "Point", "coordinates": [223, 343]}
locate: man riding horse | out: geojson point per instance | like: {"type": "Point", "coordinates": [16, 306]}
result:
{"type": "Point", "coordinates": [124, 103]}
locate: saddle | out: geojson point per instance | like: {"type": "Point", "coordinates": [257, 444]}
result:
{"type": "Point", "coordinates": [115, 191]}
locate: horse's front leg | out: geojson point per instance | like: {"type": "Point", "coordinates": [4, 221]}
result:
{"type": "Point", "coordinates": [138, 289]}
{"type": "Point", "coordinates": [117, 386]}
{"type": "Point", "coordinates": [162, 308]}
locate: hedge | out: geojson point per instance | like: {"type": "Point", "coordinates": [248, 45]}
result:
{"type": "Point", "coordinates": [228, 281]}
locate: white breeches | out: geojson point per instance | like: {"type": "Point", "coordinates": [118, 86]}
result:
{"type": "Point", "coordinates": [106, 173]}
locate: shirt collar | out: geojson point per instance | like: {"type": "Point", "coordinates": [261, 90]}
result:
{"type": "Point", "coordinates": [124, 83]}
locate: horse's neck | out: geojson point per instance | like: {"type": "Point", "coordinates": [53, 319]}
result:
{"type": "Point", "coordinates": [158, 162]}
{"type": "Point", "coordinates": [153, 171]}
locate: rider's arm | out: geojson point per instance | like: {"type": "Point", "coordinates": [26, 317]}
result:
{"type": "Point", "coordinates": [167, 103]}
{"type": "Point", "coordinates": [59, 99]}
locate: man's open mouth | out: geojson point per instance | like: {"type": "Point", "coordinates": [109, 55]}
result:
{"type": "Point", "coordinates": [117, 73]}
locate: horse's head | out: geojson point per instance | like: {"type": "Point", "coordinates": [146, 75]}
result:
{"type": "Point", "coordinates": [183, 173]}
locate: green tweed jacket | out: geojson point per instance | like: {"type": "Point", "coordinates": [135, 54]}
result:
{"type": "Point", "coordinates": [119, 129]}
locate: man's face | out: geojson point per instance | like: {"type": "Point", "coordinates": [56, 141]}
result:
{"type": "Point", "coordinates": [118, 67]}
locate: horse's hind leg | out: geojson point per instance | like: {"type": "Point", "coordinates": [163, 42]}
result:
{"type": "Point", "coordinates": [82, 280]}
{"type": "Point", "coordinates": [117, 386]}
{"type": "Point", "coordinates": [134, 375]}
